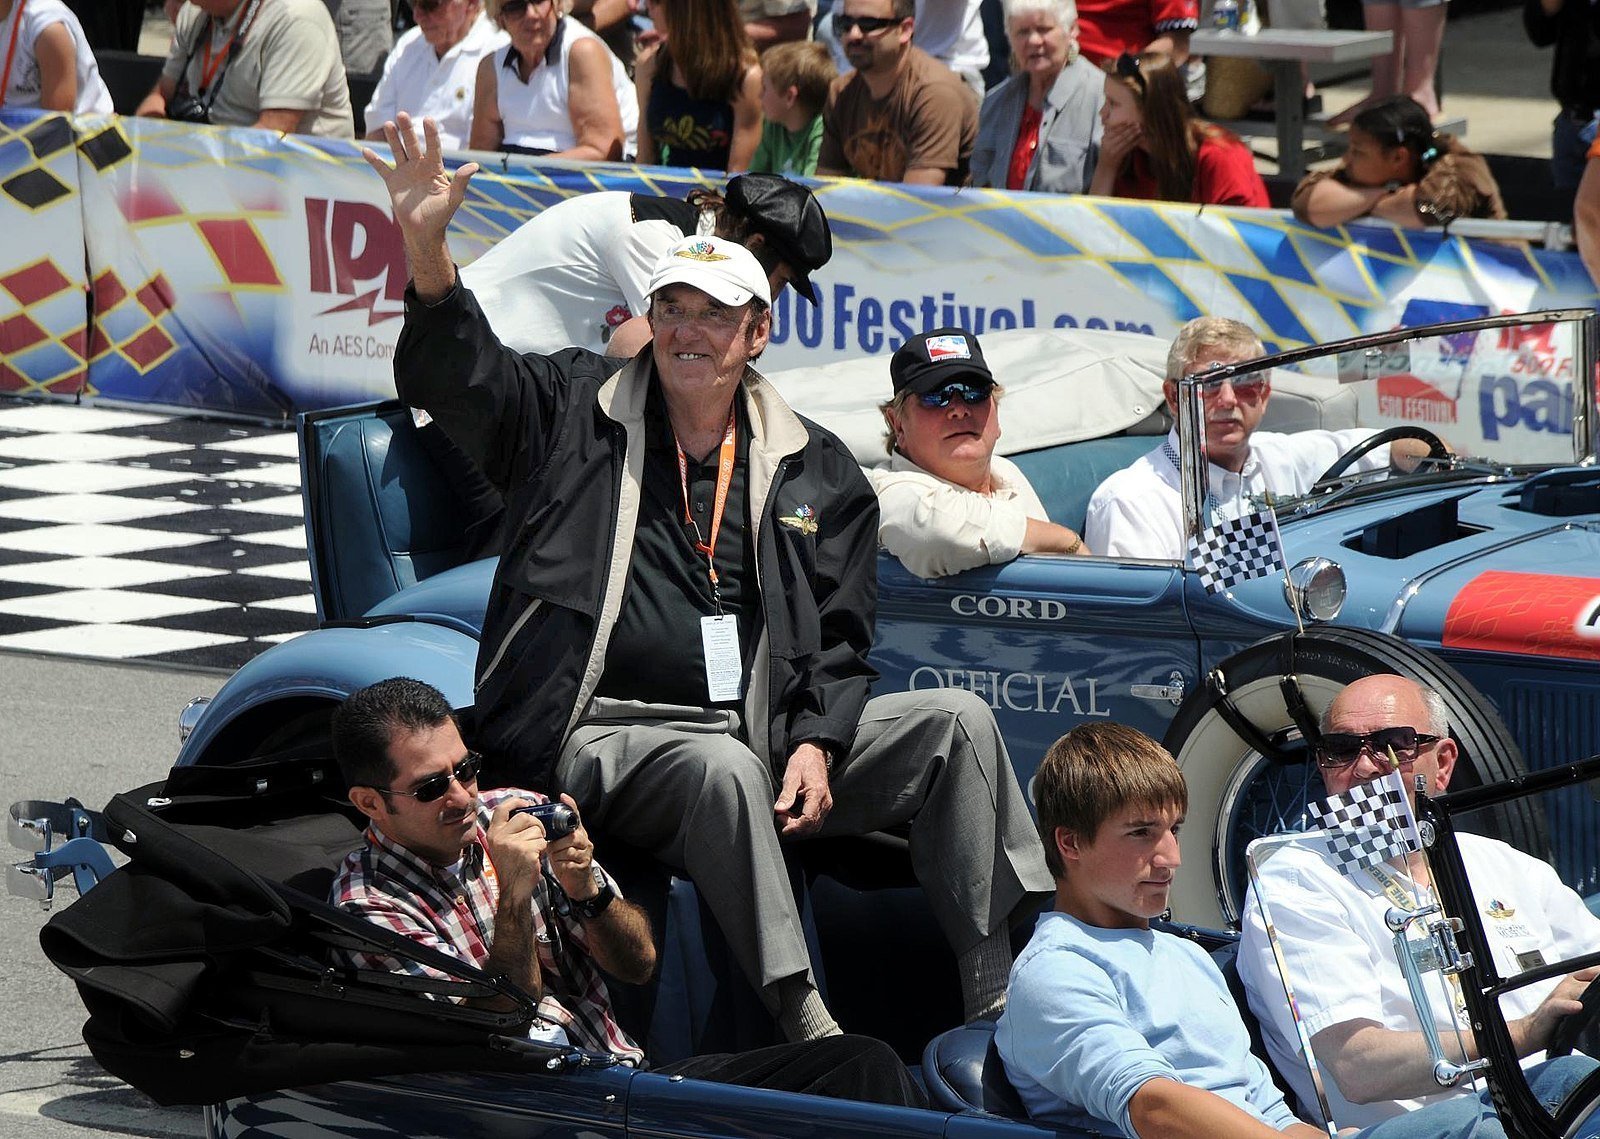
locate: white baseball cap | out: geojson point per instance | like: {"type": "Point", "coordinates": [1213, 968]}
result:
{"type": "Point", "coordinates": [716, 266]}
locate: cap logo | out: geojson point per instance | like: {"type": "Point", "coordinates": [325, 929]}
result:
{"type": "Point", "coordinates": [701, 251]}
{"type": "Point", "coordinates": [947, 348]}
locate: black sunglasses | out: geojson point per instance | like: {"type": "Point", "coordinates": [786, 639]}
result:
{"type": "Point", "coordinates": [1341, 749]}
{"type": "Point", "coordinates": [515, 8]}
{"type": "Point", "coordinates": [969, 394]}
{"type": "Point", "coordinates": [434, 786]}
{"type": "Point", "coordinates": [870, 25]}
{"type": "Point", "coordinates": [1128, 68]}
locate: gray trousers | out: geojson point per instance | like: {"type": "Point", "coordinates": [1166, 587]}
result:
{"type": "Point", "coordinates": [680, 783]}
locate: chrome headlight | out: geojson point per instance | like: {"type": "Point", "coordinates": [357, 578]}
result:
{"type": "Point", "coordinates": [190, 716]}
{"type": "Point", "coordinates": [1315, 589]}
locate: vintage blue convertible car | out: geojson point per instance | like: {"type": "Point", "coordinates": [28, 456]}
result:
{"type": "Point", "coordinates": [1476, 573]}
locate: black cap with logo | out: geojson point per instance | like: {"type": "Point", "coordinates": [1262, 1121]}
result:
{"type": "Point", "coordinates": [789, 216]}
{"type": "Point", "coordinates": [927, 362]}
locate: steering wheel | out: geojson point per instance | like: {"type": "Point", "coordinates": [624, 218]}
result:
{"type": "Point", "coordinates": [1436, 449]}
{"type": "Point", "coordinates": [1565, 1036]}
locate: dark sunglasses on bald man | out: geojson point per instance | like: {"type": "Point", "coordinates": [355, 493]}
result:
{"type": "Point", "coordinates": [969, 394]}
{"type": "Point", "coordinates": [869, 25]}
{"type": "Point", "coordinates": [511, 9]}
{"type": "Point", "coordinates": [435, 786]}
{"type": "Point", "coordinates": [1341, 749]}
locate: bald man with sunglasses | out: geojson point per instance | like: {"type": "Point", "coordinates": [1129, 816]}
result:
{"type": "Point", "coordinates": [1339, 954]}
{"type": "Point", "coordinates": [946, 501]}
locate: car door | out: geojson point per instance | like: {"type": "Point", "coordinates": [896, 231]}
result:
{"type": "Point", "coordinates": [1048, 642]}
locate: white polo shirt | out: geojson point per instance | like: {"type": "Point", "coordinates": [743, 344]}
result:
{"type": "Point", "coordinates": [1340, 955]}
{"type": "Point", "coordinates": [419, 82]}
{"type": "Point", "coordinates": [937, 527]}
{"type": "Point", "coordinates": [1138, 511]}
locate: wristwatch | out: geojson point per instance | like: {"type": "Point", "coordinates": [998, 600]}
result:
{"type": "Point", "coordinates": [593, 907]}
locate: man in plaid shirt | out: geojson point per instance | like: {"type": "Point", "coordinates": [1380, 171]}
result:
{"type": "Point", "coordinates": [461, 873]}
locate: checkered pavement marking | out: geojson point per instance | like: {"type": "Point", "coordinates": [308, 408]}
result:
{"type": "Point", "coordinates": [131, 535]}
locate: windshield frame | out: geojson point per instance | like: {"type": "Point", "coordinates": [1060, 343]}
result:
{"type": "Point", "coordinates": [1192, 469]}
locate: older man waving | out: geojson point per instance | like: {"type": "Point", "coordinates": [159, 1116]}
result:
{"type": "Point", "coordinates": [678, 630]}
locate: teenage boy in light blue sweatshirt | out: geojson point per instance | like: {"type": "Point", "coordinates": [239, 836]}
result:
{"type": "Point", "coordinates": [1116, 1027]}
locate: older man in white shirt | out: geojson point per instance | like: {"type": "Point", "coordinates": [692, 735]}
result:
{"type": "Point", "coordinates": [433, 69]}
{"type": "Point", "coordinates": [1138, 511]}
{"type": "Point", "coordinates": [947, 502]}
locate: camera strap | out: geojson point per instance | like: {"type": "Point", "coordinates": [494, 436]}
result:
{"type": "Point", "coordinates": [213, 70]}
{"type": "Point", "coordinates": [11, 50]}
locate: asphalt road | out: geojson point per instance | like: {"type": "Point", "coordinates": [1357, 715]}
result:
{"type": "Point", "coordinates": [90, 730]}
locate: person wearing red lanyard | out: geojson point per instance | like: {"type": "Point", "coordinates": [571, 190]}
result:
{"type": "Point", "coordinates": [678, 637]}
{"type": "Point", "coordinates": [478, 878]}
{"type": "Point", "coordinates": [1040, 129]}
{"type": "Point", "coordinates": [48, 61]}
{"type": "Point", "coordinates": [272, 64]}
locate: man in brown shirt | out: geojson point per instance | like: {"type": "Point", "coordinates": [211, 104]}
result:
{"type": "Point", "coordinates": [901, 115]}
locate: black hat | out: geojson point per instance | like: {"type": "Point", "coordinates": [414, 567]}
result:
{"type": "Point", "coordinates": [790, 218]}
{"type": "Point", "coordinates": [927, 362]}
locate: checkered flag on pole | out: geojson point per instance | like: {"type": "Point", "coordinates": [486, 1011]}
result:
{"type": "Point", "coordinates": [1237, 550]}
{"type": "Point", "coordinates": [1369, 824]}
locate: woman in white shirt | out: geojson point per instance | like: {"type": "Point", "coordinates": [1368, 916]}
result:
{"type": "Point", "coordinates": [47, 62]}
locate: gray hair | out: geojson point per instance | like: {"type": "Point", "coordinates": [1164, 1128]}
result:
{"type": "Point", "coordinates": [1433, 708]}
{"type": "Point", "coordinates": [1065, 11]}
{"type": "Point", "coordinates": [1204, 332]}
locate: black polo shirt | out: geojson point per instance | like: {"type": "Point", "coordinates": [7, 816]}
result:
{"type": "Point", "coordinates": [655, 653]}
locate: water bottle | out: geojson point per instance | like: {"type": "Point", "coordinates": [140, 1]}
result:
{"type": "Point", "coordinates": [1225, 15]}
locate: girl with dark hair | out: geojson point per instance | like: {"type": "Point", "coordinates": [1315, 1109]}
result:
{"type": "Point", "coordinates": [700, 89]}
{"type": "Point", "coordinates": [1398, 169]}
{"type": "Point", "coordinates": [1155, 148]}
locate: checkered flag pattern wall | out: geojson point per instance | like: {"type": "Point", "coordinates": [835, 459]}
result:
{"type": "Point", "coordinates": [1368, 824]}
{"type": "Point", "coordinates": [1236, 550]}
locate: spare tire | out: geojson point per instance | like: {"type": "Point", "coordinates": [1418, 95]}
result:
{"type": "Point", "coordinates": [1242, 788]}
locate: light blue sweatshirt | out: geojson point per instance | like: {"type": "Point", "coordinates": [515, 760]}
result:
{"type": "Point", "coordinates": [1093, 1013]}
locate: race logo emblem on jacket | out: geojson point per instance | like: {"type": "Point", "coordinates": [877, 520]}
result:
{"type": "Point", "coordinates": [804, 519]}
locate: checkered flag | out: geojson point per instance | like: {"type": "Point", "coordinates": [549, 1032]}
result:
{"type": "Point", "coordinates": [1237, 550]}
{"type": "Point", "coordinates": [1369, 824]}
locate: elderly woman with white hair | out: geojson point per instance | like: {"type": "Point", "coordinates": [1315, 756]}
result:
{"type": "Point", "coordinates": [1040, 129]}
{"type": "Point", "coordinates": [556, 89]}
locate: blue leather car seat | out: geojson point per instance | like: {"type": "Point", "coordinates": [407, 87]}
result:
{"type": "Point", "coordinates": [963, 1072]}
{"type": "Point", "coordinates": [1065, 476]}
{"type": "Point", "coordinates": [386, 519]}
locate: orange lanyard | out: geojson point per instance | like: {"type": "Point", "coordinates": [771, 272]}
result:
{"type": "Point", "coordinates": [724, 481]}
{"type": "Point", "coordinates": [209, 66]}
{"type": "Point", "coordinates": [11, 51]}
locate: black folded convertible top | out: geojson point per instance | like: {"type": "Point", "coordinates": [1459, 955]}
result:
{"type": "Point", "coordinates": [205, 962]}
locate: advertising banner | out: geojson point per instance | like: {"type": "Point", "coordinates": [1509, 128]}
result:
{"type": "Point", "coordinates": [241, 271]}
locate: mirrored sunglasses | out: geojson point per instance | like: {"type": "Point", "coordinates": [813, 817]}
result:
{"type": "Point", "coordinates": [968, 394]}
{"type": "Point", "coordinates": [1341, 749]}
{"type": "Point", "coordinates": [435, 786]}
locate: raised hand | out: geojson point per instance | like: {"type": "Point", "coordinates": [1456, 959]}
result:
{"type": "Point", "coordinates": [423, 198]}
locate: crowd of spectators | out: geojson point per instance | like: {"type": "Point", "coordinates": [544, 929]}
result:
{"type": "Point", "coordinates": [1100, 96]}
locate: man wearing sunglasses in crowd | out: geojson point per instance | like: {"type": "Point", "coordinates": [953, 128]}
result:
{"type": "Point", "coordinates": [1338, 952]}
{"type": "Point", "coordinates": [900, 115]}
{"type": "Point", "coordinates": [946, 501]}
{"type": "Point", "coordinates": [1138, 511]}
{"type": "Point", "coordinates": [477, 878]}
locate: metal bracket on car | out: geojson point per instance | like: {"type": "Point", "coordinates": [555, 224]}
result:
{"type": "Point", "coordinates": [36, 825]}
{"type": "Point", "coordinates": [1441, 955]}
{"type": "Point", "coordinates": [1252, 736]}
{"type": "Point", "coordinates": [1294, 702]}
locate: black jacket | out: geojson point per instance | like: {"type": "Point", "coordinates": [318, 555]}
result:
{"type": "Point", "coordinates": [564, 441]}
{"type": "Point", "coordinates": [1575, 70]}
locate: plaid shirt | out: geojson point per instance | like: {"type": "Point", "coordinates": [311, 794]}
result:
{"type": "Point", "coordinates": [451, 909]}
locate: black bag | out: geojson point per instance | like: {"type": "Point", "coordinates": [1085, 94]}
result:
{"type": "Point", "coordinates": [207, 974]}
